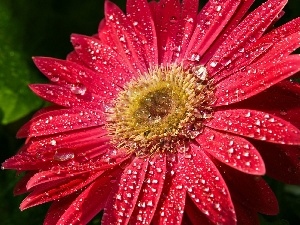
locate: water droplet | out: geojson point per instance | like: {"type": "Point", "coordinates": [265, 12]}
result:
{"type": "Point", "coordinates": [54, 79]}
{"type": "Point", "coordinates": [122, 39]}
{"type": "Point", "coordinates": [213, 64]}
{"type": "Point", "coordinates": [63, 156]}
{"type": "Point", "coordinates": [257, 122]}
{"type": "Point", "coordinates": [128, 195]}
{"type": "Point", "coordinates": [139, 218]}
{"type": "Point", "coordinates": [200, 72]}
{"type": "Point", "coordinates": [173, 19]}
{"type": "Point", "coordinates": [188, 156]}
{"type": "Point", "coordinates": [190, 20]}
{"type": "Point", "coordinates": [78, 89]}
{"type": "Point", "coordinates": [150, 203]}
{"type": "Point", "coordinates": [159, 170]}
{"type": "Point", "coordinates": [246, 154]}
{"type": "Point", "coordinates": [241, 50]}
{"type": "Point", "coordinates": [154, 181]}
{"type": "Point", "coordinates": [119, 197]}
{"type": "Point", "coordinates": [194, 57]}
{"type": "Point", "coordinates": [231, 150]}
{"type": "Point", "coordinates": [53, 142]}
{"type": "Point", "coordinates": [272, 120]}
{"type": "Point", "coordinates": [179, 187]}
{"type": "Point", "coordinates": [218, 8]}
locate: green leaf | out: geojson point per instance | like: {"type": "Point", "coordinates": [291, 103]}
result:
{"type": "Point", "coordinates": [16, 70]}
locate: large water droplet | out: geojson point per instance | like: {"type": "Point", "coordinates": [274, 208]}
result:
{"type": "Point", "coordinates": [54, 79]}
{"type": "Point", "coordinates": [63, 156]}
{"type": "Point", "coordinates": [78, 89]}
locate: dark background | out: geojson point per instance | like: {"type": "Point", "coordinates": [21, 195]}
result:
{"type": "Point", "coordinates": [42, 28]}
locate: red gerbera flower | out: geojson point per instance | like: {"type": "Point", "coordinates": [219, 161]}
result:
{"type": "Point", "coordinates": [167, 116]}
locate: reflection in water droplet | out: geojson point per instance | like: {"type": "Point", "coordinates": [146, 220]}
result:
{"type": "Point", "coordinates": [78, 89]}
{"type": "Point", "coordinates": [54, 79]}
{"type": "Point", "coordinates": [63, 156]}
{"type": "Point", "coordinates": [53, 142]}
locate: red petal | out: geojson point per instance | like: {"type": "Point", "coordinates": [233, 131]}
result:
{"type": "Point", "coordinates": [245, 215]}
{"type": "Point", "coordinates": [250, 191]}
{"type": "Point", "coordinates": [166, 22]}
{"type": "Point", "coordinates": [58, 189]}
{"type": "Point", "coordinates": [210, 23]}
{"type": "Point", "coordinates": [194, 215]}
{"type": "Point", "coordinates": [119, 33]}
{"type": "Point", "coordinates": [72, 139]}
{"type": "Point", "coordinates": [282, 162]}
{"type": "Point", "coordinates": [66, 159]}
{"type": "Point", "coordinates": [255, 124]}
{"type": "Point", "coordinates": [240, 63]}
{"type": "Point", "coordinates": [231, 25]}
{"type": "Point", "coordinates": [71, 74]}
{"type": "Point", "coordinates": [174, 193]}
{"type": "Point", "coordinates": [124, 197]}
{"type": "Point", "coordinates": [102, 59]}
{"type": "Point", "coordinates": [63, 96]}
{"type": "Point", "coordinates": [74, 57]}
{"type": "Point", "coordinates": [145, 28]}
{"type": "Point", "coordinates": [277, 44]}
{"type": "Point", "coordinates": [150, 192]}
{"type": "Point", "coordinates": [285, 39]}
{"type": "Point", "coordinates": [248, 31]}
{"type": "Point", "coordinates": [48, 176]}
{"type": "Point", "coordinates": [59, 121]}
{"type": "Point", "coordinates": [82, 208]}
{"type": "Point", "coordinates": [282, 48]}
{"type": "Point", "coordinates": [281, 100]}
{"type": "Point", "coordinates": [69, 151]}
{"type": "Point", "coordinates": [58, 208]}
{"type": "Point", "coordinates": [208, 190]}
{"type": "Point", "coordinates": [255, 79]}
{"type": "Point", "coordinates": [20, 187]}
{"type": "Point", "coordinates": [232, 150]}
{"type": "Point", "coordinates": [189, 10]}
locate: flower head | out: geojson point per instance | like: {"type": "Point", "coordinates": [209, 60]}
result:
{"type": "Point", "coordinates": [167, 116]}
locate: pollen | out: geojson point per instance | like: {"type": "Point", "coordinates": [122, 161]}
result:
{"type": "Point", "coordinates": [161, 109]}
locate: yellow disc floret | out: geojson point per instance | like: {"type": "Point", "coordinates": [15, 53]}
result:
{"type": "Point", "coordinates": [159, 109]}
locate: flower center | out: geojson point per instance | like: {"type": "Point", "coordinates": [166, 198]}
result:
{"type": "Point", "coordinates": [161, 109]}
{"type": "Point", "coordinates": [154, 107]}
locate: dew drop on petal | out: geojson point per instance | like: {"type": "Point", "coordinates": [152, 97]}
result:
{"type": "Point", "coordinates": [54, 79]}
{"type": "Point", "coordinates": [63, 156]}
{"type": "Point", "coordinates": [218, 8]}
{"type": "Point", "coordinates": [213, 64]}
{"type": "Point", "coordinates": [173, 19]}
{"type": "Point", "coordinates": [78, 89]}
{"type": "Point", "coordinates": [53, 142]}
{"type": "Point", "coordinates": [248, 114]}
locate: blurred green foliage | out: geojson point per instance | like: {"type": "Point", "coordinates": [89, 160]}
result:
{"type": "Point", "coordinates": [35, 27]}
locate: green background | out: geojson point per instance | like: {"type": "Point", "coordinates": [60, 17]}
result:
{"type": "Point", "coordinates": [42, 28]}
